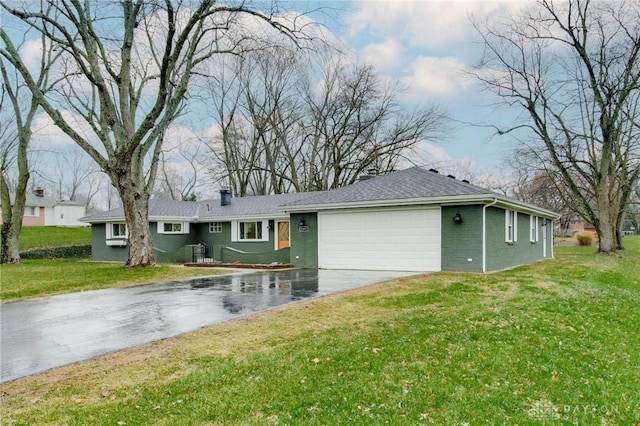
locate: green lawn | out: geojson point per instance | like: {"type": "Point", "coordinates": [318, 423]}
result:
{"type": "Point", "coordinates": [34, 278]}
{"type": "Point", "coordinates": [552, 343]}
{"type": "Point", "coordinates": [45, 277]}
{"type": "Point", "coordinates": [53, 236]}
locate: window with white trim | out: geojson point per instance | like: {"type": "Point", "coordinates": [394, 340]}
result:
{"type": "Point", "coordinates": [117, 231]}
{"type": "Point", "coordinates": [31, 211]}
{"type": "Point", "coordinates": [173, 227]}
{"type": "Point", "coordinates": [510, 226]}
{"type": "Point", "coordinates": [215, 227]}
{"type": "Point", "coordinates": [533, 229]}
{"type": "Point", "coordinates": [256, 230]}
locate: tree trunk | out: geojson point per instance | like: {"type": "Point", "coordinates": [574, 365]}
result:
{"type": "Point", "coordinates": [9, 248]}
{"type": "Point", "coordinates": [606, 229]}
{"type": "Point", "coordinates": [10, 252]}
{"type": "Point", "coordinates": [136, 213]}
{"type": "Point", "coordinates": [12, 215]}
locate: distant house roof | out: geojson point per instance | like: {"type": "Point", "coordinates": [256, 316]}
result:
{"type": "Point", "coordinates": [33, 200]}
{"type": "Point", "coordinates": [405, 187]}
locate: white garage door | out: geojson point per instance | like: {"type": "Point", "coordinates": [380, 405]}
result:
{"type": "Point", "coordinates": [385, 239]}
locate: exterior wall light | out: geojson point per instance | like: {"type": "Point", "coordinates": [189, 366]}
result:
{"type": "Point", "coordinates": [457, 218]}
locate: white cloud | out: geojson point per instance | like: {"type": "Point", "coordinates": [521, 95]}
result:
{"type": "Point", "coordinates": [31, 53]}
{"type": "Point", "coordinates": [430, 24]}
{"type": "Point", "coordinates": [437, 76]}
{"type": "Point", "coordinates": [388, 56]}
{"type": "Point", "coordinates": [46, 135]}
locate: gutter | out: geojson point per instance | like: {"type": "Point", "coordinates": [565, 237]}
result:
{"type": "Point", "coordinates": [394, 202]}
{"type": "Point", "coordinates": [442, 200]}
{"type": "Point", "coordinates": [484, 233]}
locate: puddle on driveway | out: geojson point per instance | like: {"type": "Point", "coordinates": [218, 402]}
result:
{"type": "Point", "coordinates": [40, 334]}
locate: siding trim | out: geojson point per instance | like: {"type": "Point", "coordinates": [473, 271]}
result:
{"type": "Point", "coordinates": [484, 233]}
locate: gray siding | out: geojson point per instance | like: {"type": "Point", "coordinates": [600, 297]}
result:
{"type": "Point", "coordinates": [501, 254]}
{"type": "Point", "coordinates": [178, 247]}
{"type": "Point", "coordinates": [462, 242]}
{"type": "Point", "coordinates": [221, 248]}
{"type": "Point", "coordinates": [100, 251]}
{"type": "Point", "coordinates": [304, 245]}
{"type": "Point", "coordinates": [172, 247]}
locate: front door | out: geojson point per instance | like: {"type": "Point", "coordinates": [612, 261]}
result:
{"type": "Point", "coordinates": [283, 235]}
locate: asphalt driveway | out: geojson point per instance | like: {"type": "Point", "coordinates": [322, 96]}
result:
{"type": "Point", "coordinates": [39, 334]}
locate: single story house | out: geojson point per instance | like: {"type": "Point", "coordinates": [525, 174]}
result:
{"type": "Point", "coordinates": [42, 210]}
{"type": "Point", "coordinates": [410, 220]}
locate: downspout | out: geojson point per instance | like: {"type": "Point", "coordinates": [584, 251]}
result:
{"type": "Point", "coordinates": [550, 223]}
{"type": "Point", "coordinates": [484, 234]}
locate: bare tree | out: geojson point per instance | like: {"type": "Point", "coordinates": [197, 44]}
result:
{"type": "Point", "coordinates": [15, 143]}
{"type": "Point", "coordinates": [533, 184]}
{"type": "Point", "coordinates": [126, 72]}
{"type": "Point", "coordinates": [179, 178]}
{"type": "Point", "coordinates": [284, 129]}
{"type": "Point", "coordinates": [573, 68]}
{"type": "Point", "coordinates": [69, 173]}
{"type": "Point", "coordinates": [258, 108]}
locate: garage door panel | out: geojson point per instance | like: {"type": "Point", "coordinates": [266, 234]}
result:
{"type": "Point", "coordinates": [404, 240]}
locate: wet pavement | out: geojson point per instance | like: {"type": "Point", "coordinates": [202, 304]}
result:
{"type": "Point", "coordinates": [40, 334]}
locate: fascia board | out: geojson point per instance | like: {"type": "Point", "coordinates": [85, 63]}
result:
{"type": "Point", "coordinates": [514, 205]}
{"type": "Point", "coordinates": [445, 200]}
{"type": "Point", "coordinates": [459, 199]}
{"type": "Point", "coordinates": [102, 219]}
{"type": "Point", "coordinates": [242, 217]}
{"type": "Point", "coordinates": [527, 208]}
{"type": "Point", "coordinates": [190, 219]}
{"type": "Point", "coordinates": [151, 219]}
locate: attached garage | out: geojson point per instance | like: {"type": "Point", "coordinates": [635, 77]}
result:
{"type": "Point", "coordinates": [381, 239]}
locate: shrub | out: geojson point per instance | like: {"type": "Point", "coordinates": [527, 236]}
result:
{"type": "Point", "coordinates": [585, 238]}
{"type": "Point", "coordinates": [67, 252]}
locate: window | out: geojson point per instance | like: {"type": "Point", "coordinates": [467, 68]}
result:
{"type": "Point", "coordinates": [117, 230]}
{"type": "Point", "coordinates": [117, 234]}
{"type": "Point", "coordinates": [173, 228]}
{"type": "Point", "coordinates": [510, 226]}
{"type": "Point", "coordinates": [533, 229]}
{"type": "Point", "coordinates": [31, 211]}
{"type": "Point", "coordinates": [250, 231]}
{"type": "Point", "coordinates": [215, 227]}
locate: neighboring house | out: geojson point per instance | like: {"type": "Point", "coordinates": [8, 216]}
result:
{"type": "Point", "coordinates": [573, 226]}
{"type": "Point", "coordinates": [628, 227]}
{"type": "Point", "coordinates": [411, 220]}
{"type": "Point", "coordinates": [42, 210]}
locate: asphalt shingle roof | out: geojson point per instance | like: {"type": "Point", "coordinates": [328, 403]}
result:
{"type": "Point", "coordinates": [157, 207]}
{"type": "Point", "coordinates": [405, 184]}
{"type": "Point", "coordinates": [259, 205]}
{"type": "Point", "coordinates": [410, 184]}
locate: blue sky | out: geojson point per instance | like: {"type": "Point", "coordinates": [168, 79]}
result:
{"type": "Point", "coordinates": [430, 45]}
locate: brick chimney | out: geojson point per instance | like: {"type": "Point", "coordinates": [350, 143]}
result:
{"type": "Point", "coordinates": [225, 197]}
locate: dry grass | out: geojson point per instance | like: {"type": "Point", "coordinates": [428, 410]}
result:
{"type": "Point", "coordinates": [88, 382]}
{"type": "Point", "coordinates": [443, 348]}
